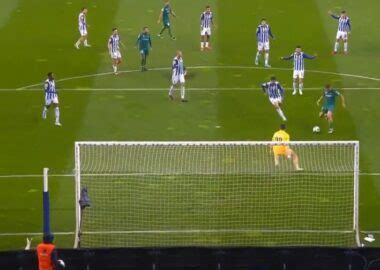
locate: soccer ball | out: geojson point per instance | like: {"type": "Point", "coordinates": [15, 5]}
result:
{"type": "Point", "coordinates": [316, 129]}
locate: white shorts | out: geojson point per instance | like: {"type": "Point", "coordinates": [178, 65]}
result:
{"type": "Point", "coordinates": [178, 79]}
{"type": "Point", "coordinates": [49, 101]}
{"type": "Point", "coordinates": [83, 31]}
{"type": "Point", "coordinates": [275, 100]}
{"type": "Point", "coordinates": [342, 35]}
{"type": "Point", "coordinates": [263, 46]}
{"type": "Point", "coordinates": [298, 74]}
{"type": "Point", "coordinates": [206, 31]}
{"type": "Point", "coordinates": [116, 55]}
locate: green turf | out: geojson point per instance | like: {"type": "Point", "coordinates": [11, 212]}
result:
{"type": "Point", "coordinates": [38, 36]}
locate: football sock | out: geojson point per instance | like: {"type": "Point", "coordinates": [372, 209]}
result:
{"type": "Point", "coordinates": [257, 56]}
{"type": "Point", "coordinates": [294, 86]}
{"type": "Point", "coordinates": [114, 68]}
{"type": "Point", "coordinates": [182, 92]}
{"type": "Point", "coordinates": [336, 46]}
{"type": "Point", "coordinates": [202, 44]}
{"type": "Point", "coordinates": [44, 112]}
{"type": "Point", "coordinates": [300, 87]}
{"type": "Point", "coordinates": [206, 44]}
{"type": "Point", "coordinates": [56, 110]}
{"type": "Point", "coordinates": [85, 42]}
{"type": "Point", "coordinates": [281, 113]}
{"type": "Point", "coordinates": [266, 58]}
{"type": "Point", "coordinates": [345, 46]}
{"type": "Point", "coordinates": [171, 90]}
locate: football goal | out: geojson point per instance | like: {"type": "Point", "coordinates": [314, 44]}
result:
{"type": "Point", "coordinates": [208, 194]}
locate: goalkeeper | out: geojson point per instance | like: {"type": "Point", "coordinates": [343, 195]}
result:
{"type": "Point", "coordinates": [47, 254]}
{"type": "Point", "coordinates": [283, 149]}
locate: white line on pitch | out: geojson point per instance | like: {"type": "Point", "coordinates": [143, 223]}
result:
{"type": "Point", "coordinates": [11, 176]}
{"type": "Point", "coordinates": [33, 233]}
{"type": "Point", "coordinates": [207, 67]}
{"type": "Point", "coordinates": [189, 89]}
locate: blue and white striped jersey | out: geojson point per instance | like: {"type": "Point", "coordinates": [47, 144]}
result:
{"type": "Point", "coordinates": [114, 43]}
{"type": "Point", "coordinates": [344, 24]}
{"type": "Point", "coordinates": [298, 60]}
{"type": "Point", "coordinates": [206, 19]}
{"type": "Point", "coordinates": [273, 89]}
{"type": "Point", "coordinates": [82, 21]}
{"type": "Point", "coordinates": [178, 66]}
{"type": "Point", "coordinates": [263, 33]}
{"type": "Point", "coordinates": [50, 91]}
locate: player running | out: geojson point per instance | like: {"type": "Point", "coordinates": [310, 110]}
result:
{"type": "Point", "coordinates": [283, 149]}
{"type": "Point", "coordinates": [51, 97]}
{"type": "Point", "coordinates": [178, 76]}
{"type": "Point", "coordinates": [144, 43]}
{"type": "Point", "coordinates": [275, 93]}
{"type": "Point", "coordinates": [207, 20]}
{"type": "Point", "coordinates": [114, 49]}
{"type": "Point", "coordinates": [263, 33]}
{"type": "Point", "coordinates": [344, 29]}
{"type": "Point", "coordinates": [298, 68]}
{"type": "Point", "coordinates": [166, 11]}
{"type": "Point", "coordinates": [82, 29]}
{"type": "Point", "coordinates": [328, 106]}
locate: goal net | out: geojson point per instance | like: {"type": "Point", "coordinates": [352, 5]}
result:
{"type": "Point", "coordinates": [166, 194]}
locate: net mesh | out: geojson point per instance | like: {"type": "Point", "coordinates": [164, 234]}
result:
{"type": "Point", "coordinates": [163, 195]}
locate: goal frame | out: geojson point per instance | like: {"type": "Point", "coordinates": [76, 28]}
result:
{"type": "Point", "coordinates": [77, 169]}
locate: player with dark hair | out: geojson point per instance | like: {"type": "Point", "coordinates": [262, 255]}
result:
{"type": "Point", "coordinates": [51, 97]}
{"type": "Point", "coordinates": [47, 254]}
{"type": "Point", "coordinates": [144, 43]}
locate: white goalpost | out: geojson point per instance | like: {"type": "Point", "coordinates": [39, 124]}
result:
{"type": "Point", "coordinates": [178, 194]}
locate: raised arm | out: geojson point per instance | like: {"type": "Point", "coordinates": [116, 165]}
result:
{"type": "Point", "coordinates": [287, 57]}
{"type": "Point", "coordinates": [264, 86]}
{"type": "Point", "coordinates": [308, 56]}
{"type": "Point", "coordinates": [333, 15]}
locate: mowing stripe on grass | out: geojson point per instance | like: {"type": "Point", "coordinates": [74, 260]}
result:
{"type": "Point", "coordinates": [205, 67]}
{"type": "Point", "coordinates": [188, 89]}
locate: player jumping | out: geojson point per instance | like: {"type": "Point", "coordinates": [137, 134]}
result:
{"type": "Point", "coordinates": [51, 97]}
{"type": "Point", "coordinates": [82, 29]}
{"type": "Point", "coordinates": [114, 49]}
{"type": "Point", "coordinates": [178, 76]}
{"type": "Point", "coordinates": [298, 68]}
{"type": "Point", "coordinates": [283, 149]}
{"type": "Point", "coordinates": [206, 22]}
{"type": "Point", "coordinates": [166, 11]}
{"type": "Point", "coordinates": [263, 33]}
{"type": "Point", "coordinates": [144, 43]}
{"type": "Point", "coordinates": [328, 107]}
{"type": "Point", "coordinates": [344, 29]}
{"type": "Point", "coordinates": [276, 95]}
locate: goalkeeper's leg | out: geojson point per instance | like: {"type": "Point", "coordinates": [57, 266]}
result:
{"type": "Point", "coordinates": [295, 159]}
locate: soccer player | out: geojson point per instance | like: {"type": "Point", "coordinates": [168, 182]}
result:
{"type": "Point", "coordinates": [178, 76]}
{"type": "Point", "coordinates": [298, 68]}
{"type": "Point", "coordinates": [51, 97]}
{"type": "Point", "coordinates": [206, 22]}
{"type": "Point", "coordinates": [114, 49]}
{"type": "Point", "coordinates": [166, 11]}
{"type": "Point", "coordinates": [82, 29]}
{"type": "Point", "coordinates": [263, 33]}
{"type": "Point", "coordinates": [276, 95]}
{"type": "Point", "coordinates": [144, 43]}
{"type": "Point", "coordinates": [344, 29]}
{"type": "Point", "coordinates": [283, 149]}
{"type": "Point", "coordinates": [328, 106]}
{"type": "Point", "coordinates": [47, 254]}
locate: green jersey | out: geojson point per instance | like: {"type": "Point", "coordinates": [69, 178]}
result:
{"type": "Point", "coordinates": [329, 97]}
{"type": "Point", "coordinates": [144, 41]}
{"type": "Point", "coordinates": [166, 11]}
